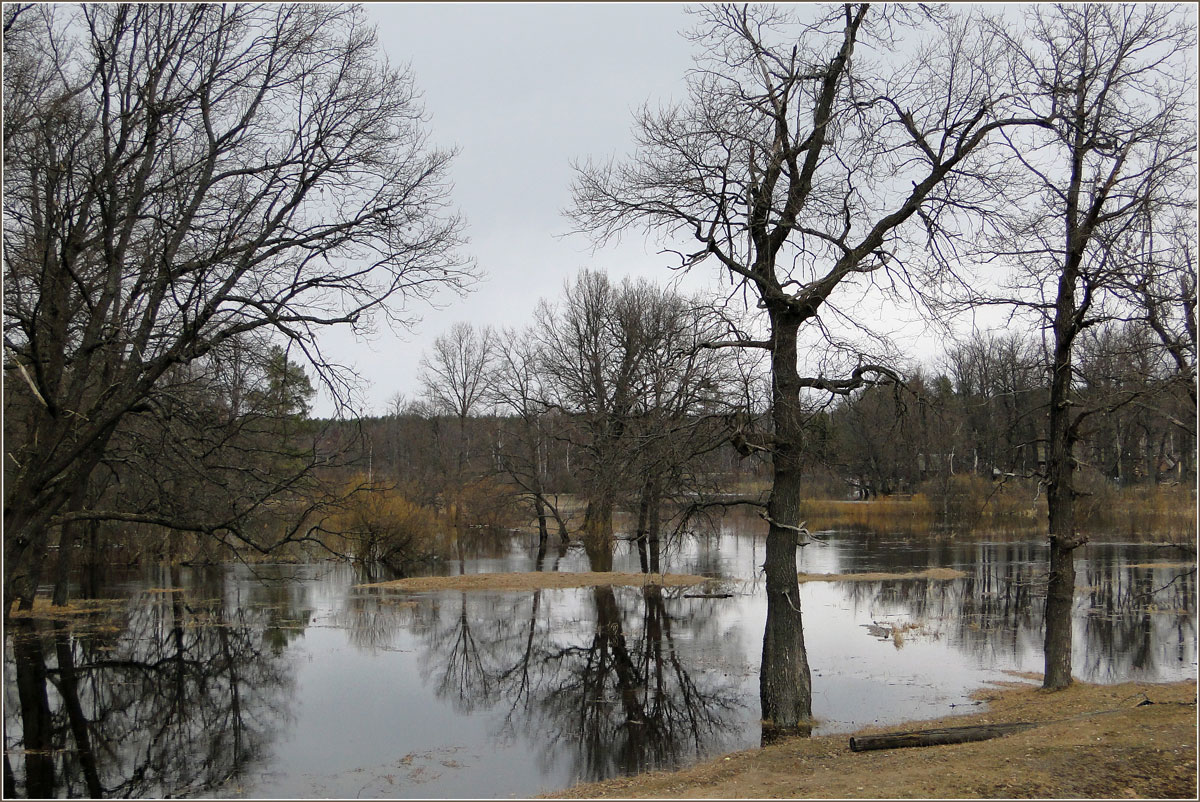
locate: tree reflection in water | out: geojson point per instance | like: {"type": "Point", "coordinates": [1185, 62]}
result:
{"type": "Point", "coordinates": [1129, 617]}
{"type": "Point", "coordinates": [182, 695]}
{"type": "Point", "coordinates": [613, 692]}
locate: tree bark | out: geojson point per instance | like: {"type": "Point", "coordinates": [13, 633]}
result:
{"type": "Point", "coordinates": [1060, 457]}
{"type": "Point", "coordinates": [936, 737]}
{"type": "Point", "coordinates": [654, 526]}
{"type": "Point", "coordinates": [785, 684]}
{"type": "Point", "coordinates": [1060, 496]}
{"type": "Point", "coordinates": [539, 507]}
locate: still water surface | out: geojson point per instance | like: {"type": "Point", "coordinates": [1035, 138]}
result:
{"type": "Point", "coordinates": [289, 681]}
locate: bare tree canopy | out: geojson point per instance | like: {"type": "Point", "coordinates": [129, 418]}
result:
{"type": "Point", "coordinates": [1097, 191]}
{"type": "Point", "coordinates": [177, 176]}
{"type": "Point", "coordinates": [800, 163]}
{"type": "Point", "coordinates": [454, 374]}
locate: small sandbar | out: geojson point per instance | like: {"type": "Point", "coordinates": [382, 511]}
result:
{"type": "Point", "coordinates": [876, 576]}
{"type": "Point", "coordinates": [538, 580]}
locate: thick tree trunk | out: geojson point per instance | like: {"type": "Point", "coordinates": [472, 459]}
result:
{"type": "Point", "coordinates": [30, 506]}
{"type": "Point", "coordinates": [598, 533]}
{"type": "Point", "coordinates": [1060, 590]}
{"type": "Point", "coordinates": [66, 552]}
{"type": "Point", "coordinates": [539, 507]}
{"type": "Point", "coordinates": [785, 685]}
{"type": "Point", "coordinates": [25, 551]}
{"type": "Point", "coordinates": [1060, 462]}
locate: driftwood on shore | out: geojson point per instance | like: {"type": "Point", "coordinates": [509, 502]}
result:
{"type": "Point", "coordinates": [935, 737]}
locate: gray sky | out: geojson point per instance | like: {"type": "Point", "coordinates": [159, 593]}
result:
{"type": "Point", "coordinates": [521, 90]}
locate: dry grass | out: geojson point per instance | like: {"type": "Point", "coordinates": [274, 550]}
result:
{"type": "Point", "coordinates": [538, 580]}
{"type": "Point", "coordinates": [1153, 513]}
{"type": "Point", "coordinates": [972, 505]}
{"type": "Point", "coordinates": [1147, 752]}
{"type": "Point", "coordinates": [878, 576]}
{"type": "Point", "coordinates": [906, 513]}
{"type": "Point", "coordinates": [44, 610]}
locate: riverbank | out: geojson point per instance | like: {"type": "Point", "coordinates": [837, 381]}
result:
{"type": "Point", "coordinates": [1098, 741]}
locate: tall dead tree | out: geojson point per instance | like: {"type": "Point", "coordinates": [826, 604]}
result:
{"type": "Point", "coordinates": [798, 164]}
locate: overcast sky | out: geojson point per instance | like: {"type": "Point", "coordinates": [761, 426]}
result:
{"type": "Point", "coordinates": [521, 90]}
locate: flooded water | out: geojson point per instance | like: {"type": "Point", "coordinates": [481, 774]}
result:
{"type": "Point", "coordinates": [288, 681]}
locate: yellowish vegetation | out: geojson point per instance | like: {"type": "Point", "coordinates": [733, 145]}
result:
{"type": "Point", "coordinates": [970, 504]}
{"type": "Point", "coordinates": [535, 580]}
{"type": "Point", "coordinates": [1155, 513]}
{"type": "Point", "coordinates": [889, 512]}
{"type": "Point", "coordinates": [877, 576]}
{"type": "Point", "coordinates": [481, 502]}
{"type": "Point", "coordinates": [43, 609]}
{"type": "Point", "coordinates": [381, 524]}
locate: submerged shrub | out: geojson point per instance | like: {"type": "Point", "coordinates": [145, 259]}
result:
{"type": "Point", "coordinates": [378, 524]}
{"type": "Point", "coordinates": [485, 503]}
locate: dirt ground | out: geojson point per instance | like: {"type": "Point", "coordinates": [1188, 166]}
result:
{"type": "Point", "coordinates": [1146, 751]}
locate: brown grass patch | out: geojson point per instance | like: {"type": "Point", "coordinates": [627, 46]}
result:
{"type": "Point", "coordinates": [43, 609]}
{"type": "Point", "coordinates": [1146, 752]}
{"type": "Point", "coordinates": [876, 576]}
{"type": "Point", "coordinates": [908, 513]}
{"type": "Point", "coordinates": [538, 580]}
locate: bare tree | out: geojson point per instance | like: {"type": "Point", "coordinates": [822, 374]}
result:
{"type": "Point", "coordinates": [1000, 384]}
{"type": "Point", "coordinates": [1114, 151]}
{"type": "Point", "coordinates": [591, 352]}
{"type": "Point", "coordinates": [177, 176]}
{"type": "Point", "coordinates": [1162, 287]}
{"type": "Point", "coordinates": [516, 386]}
{"type": "Point", "coordinates": [454, 378]}
{"type": "Point", "coordinates": [796, 164]}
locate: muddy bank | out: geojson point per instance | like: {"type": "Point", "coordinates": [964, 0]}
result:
{"type": "Point", "coordinates": [1146, 751]}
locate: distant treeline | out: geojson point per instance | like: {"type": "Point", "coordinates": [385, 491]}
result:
{"type": "Point", "coordinates": [981, 412]}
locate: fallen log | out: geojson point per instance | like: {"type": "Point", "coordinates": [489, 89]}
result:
{"type": "Point", "coordinates": [936, 737]}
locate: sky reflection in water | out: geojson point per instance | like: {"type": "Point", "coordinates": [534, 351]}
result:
{"type": "Point", "coordinates": [347, 692]}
